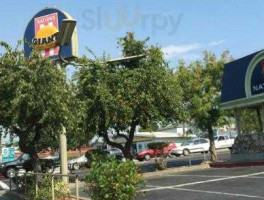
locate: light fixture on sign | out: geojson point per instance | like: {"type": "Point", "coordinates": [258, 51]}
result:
{"type": "Point", "coordinates": [66, 31]}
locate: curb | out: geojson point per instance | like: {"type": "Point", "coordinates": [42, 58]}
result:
{"type": "Point", "coordinates": [239, 164]}
{"type": "Point", "coordinates": [175, 170]}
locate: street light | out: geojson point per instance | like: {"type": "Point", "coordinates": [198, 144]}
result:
{"type": "Point", "coordinates": [66, 31]}
{"type": "Point", "coordinates": [63, 39]}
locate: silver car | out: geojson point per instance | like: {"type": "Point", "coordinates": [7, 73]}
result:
{"type": "Point", "coordinates": [76, 163]}
{"type": "Point", "coordinates": [192, 146]}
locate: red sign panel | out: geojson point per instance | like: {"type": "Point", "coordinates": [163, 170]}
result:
{"type": "Point", "coordinates": [42, 23]}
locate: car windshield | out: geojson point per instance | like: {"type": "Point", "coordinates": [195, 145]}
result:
{"type": "Point", "coordinates": [186, 143]}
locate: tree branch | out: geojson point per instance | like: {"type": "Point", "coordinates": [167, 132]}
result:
{"type": "Point", "coordinates": [108, 141]}
{"type": "Point", "coordinates": [120, 134]}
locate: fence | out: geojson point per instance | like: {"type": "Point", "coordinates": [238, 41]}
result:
{"type": "Point", "coordinates": [192, 153]}
{"type": "Point", "coordinates": [20, 182]}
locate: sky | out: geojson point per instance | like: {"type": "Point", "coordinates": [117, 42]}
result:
{"type": "Point", "coordinates": [182, 28]}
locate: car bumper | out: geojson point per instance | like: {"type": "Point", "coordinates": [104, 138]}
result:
{"type": "Point", "coordinates": [70, 166]}
{"type": "Point", "coordinates": [177, 152]}
{"type": "Point", "coordinates": [139, 157]}
{"type": "Point", "coordinates": [2, 170]}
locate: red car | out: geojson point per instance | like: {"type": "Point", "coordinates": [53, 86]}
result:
{"type": "Point", "coordinates": [150, 153]}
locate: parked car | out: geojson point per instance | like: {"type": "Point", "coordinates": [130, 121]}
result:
{"type": "Point", "coordinates": [222, 142]}
{"type": "Point", "coordinates": [76, 163]}
{"type": "Point", "coordinates": [150, 153]}
{"type": "Point", "coordinates": [9, 169]}
{"type": "Point", "coordinates": [117, 153]}
{"type": "Point", "coordinates": [192, 146]}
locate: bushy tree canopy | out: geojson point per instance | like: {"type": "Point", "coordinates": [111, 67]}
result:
{"type": "Point", "coordinates": [201, 82]}
{"type": "Point", "coordinates": [123, 95]}
{"type": "Point", "coordinates": [34, 99]}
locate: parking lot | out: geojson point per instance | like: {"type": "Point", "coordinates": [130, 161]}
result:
{"type": "Point", "coordinates": [233, 183]}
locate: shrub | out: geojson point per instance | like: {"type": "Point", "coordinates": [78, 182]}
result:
{"type": "Point", "coordinates": [96, 154]}
{"type": "Point", "coordinates": [113, 180]}
{"type": "Point", "coordinates": [61, 189]}
{"type": "Point", "coordinates": [160, 163]}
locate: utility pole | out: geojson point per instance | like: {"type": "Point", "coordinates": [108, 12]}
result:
{"type": "Point", "coordinates": [63, 154]}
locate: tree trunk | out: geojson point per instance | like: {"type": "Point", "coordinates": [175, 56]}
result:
{"type": "Point", "coordinates": [212, 144]}
{"type": "Point", "coordinates": [35, 162]}
{"type": "Point", "coordinates": [80, 151]}
{"type": "Point", "coordinates": [127, 153]}
{"type": "Point", "coordinates": [259, 119]}
{"type": "Point", "coordinates": [183, 129]}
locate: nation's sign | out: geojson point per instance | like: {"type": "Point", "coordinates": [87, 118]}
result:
{"type": "Point", "coordinates": [41, 34]}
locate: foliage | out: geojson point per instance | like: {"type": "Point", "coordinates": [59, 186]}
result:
{"type": "Point", "coordinates": [250, 122]}
{"type": "Point", "coordinates": [96, 154]}
{"type": "Point", "coordinates": [201, 82]}
{"type": "Point", "coordinates": [120, 96]}
{"type": "Point", "coordinates": [157, 145]}
{"type": "Point", "coordinates": [61, 189]}
{"type": "Point", "coordinates": [112, 180]}
{"type": "Point", "coordinates": [160, 163]}
{"type": "Point", "coordinates": [34, 100]}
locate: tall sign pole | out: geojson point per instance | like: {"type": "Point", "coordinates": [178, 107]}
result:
{"type": "Point", "coordinates": [53, 33]}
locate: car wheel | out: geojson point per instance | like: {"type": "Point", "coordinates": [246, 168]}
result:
{"type": "Point", "coordinates": [11, 172]}
{"type": "Point", "coordinates": [51, 169]}
{"type": "Point", "coordinates": [76, 166]}
{"type": "Point", "coordinates": [171, 155]}
{"type": "Point", "coordinates": [48, 169]}
{"type": "Point", "coordinates": [186, 152]}
{"type": "Point", "coordinates": [147, 157]}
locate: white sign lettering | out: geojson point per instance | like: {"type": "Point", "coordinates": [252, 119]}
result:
{"type": "Point", "coordinates": [257, 88]}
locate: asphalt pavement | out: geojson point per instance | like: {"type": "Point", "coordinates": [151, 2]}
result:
{"type": "Point", "coordinates": [145, 166]}
{"type": "Point", "coordinates": [5, 193]}
{"type": "Point", "coordinates": [192, 159]}
{"type": "Point", "coordinates": [218, 184]}
{"type": "Point", "coordinates": [149, 166]}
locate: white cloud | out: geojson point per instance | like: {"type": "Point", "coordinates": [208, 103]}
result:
{"type": "Point", "coordinates": [171, 50]}
{"type": "Point", "coordinates": [184, 51]}
{"type": "Point", "coordinates": [190, 57]}
{"type": "Point", "coordinates": [215, 43]}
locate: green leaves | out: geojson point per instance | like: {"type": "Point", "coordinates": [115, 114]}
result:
{"type": "Point", "coordinates": [201, 81]}
{"type": "Point", "coordinates": [120, 96]}
{"type": "Point", "coordinates": [35, 99]}
{"type": "Point", "coordinates": [113, 180]}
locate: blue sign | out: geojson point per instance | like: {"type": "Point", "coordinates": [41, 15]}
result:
{"type": "Point", "coordinates": [233, 82]}
{"type": "Point", "coordinates": [243, 82]}
{"type": "Point", "coordinates": [8, 154]}
{"type": "Point", "coordinates": [257, 80]}
{"type": "Point", "coordinates": [41, 34]}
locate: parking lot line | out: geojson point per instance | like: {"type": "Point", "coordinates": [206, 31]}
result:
{"type": "Point", "coordinates": [220, 193]}
{"type": "Point", "coordinates": [184, 175]}
{"type": "Point", "coordinates": [206, 176]}
{"type": "Point", "coordinates": [201, 182]}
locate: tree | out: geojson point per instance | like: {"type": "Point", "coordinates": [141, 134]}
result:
{"type": "Point", "coordinates": [201, 82]}
{"type": "Point", "coordinates": [123, 95]}
{"type": "Point", "coordinates": [34, 100]}
{"type": "Point", "coordinates": [250, 120]}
